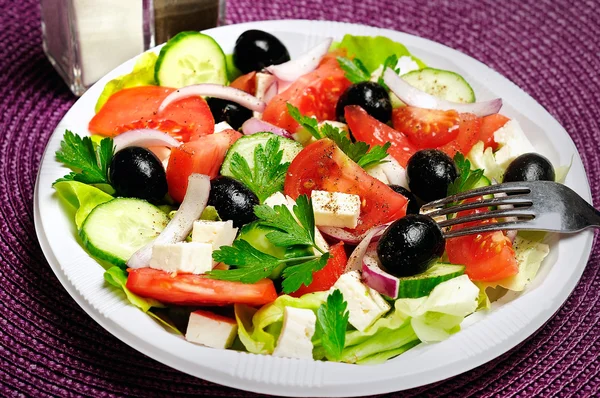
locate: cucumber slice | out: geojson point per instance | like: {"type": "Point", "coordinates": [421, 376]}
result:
{"type": "Point", "coordinates": [190, 58]}
{"type": "Point", "coordinates": [116, 229]}
{"type": "Point", "coordinates": [245, 147]}
{"type": "Point", "coordinates": [422, 284]}
{"type": "Point", "coordinates": [441, 83]}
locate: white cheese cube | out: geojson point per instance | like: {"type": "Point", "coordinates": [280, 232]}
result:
{"type": "Point", "coordinates": [222, 126]}
{"type": "Point", "coordinates": [378, 172]}
{"type": "Point", "coordinates": [296, 334]}
{"type": "Point", "coordinates": [263, 81]}
{"type": "Point", "coordinates": [406, 64]}
{"type": "Point", "coordinates": [335, 209]}
{"type": "Point", "coordinates": [190, 257]}
{"type": "Point", "coordinates": [277, 199]}
{"type": "Point", "coordinates": [211, 330]}
{"type": "Point", "coordinates": [217, 233]}
{"type": "Point", "coordinates": [365, 305]}
{"type": "Point", "coordinates": [512, 142]}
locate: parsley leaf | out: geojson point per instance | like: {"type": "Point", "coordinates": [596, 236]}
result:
{"type": "Point", "coordinates": [287, 231]}
{"type": "Point", "coordinates": [302, 274]}
{"type": "Point", "coordinates": [252, 264]}
{"type": "Point", "coordinates": [89, 162]}
{"type": "Point", "coordinates": [467, 178]}
{"type": "Point", "coordinates": [355, 70]}
{"type": "Point", "coordinates": [374, 156]}
{"type": "Point", "coordinates": [268, 173]}
{"type": "Point", "coordinates": [332, 321]}
{"type": "Point", "coordinates": [390, 62]}
{"type": "Point", "coordinates": [309, 123]}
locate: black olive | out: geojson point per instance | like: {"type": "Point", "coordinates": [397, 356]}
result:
{"type": "Point", "coordinates": [529, 167]}
{"type": "Point", "coordinates": [411, 245]}
{"type": "Point", "coordinates": [429, 173]}
{"type": "Point", "coordinates": [232, 200]}
{"type": "Point", "coordinates": [413, 207]}
{"type": "Point", "coordinates": [370, 96]}
{"type": "Point", "coordinates": [255, 50]}
{"type": "Point", "coordinates": [137, 173]}
{"type": "Point", "coordinates": [227, 111]}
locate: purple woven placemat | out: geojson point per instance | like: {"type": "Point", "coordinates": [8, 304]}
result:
{"type": "Point", "coordinates": [50, 347]}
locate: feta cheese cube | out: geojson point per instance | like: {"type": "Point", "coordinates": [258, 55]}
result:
{"type": "Point", "coordinates": [296, 334]}
{"type": "Point", "coordinates": [512, 142]}
{"type": "Point", "coordinates": [406, 64]}
{"type": "Point", "coordinates": [365, 305]}
{"type": "Point", "coordinates": [277, 199]}
{"type": "Point", "coordinates": [263, 82]}
{"type": "Point", "coordinates": [192, 257]}
{"type": "Point", "coordinates": [336, 209]}
{"type": "Point", "coordinates": [217, 233]}
{"type": "Point", "coordinates": [211, 330]}
{"type": "Point", "coordinates": [222, 126]}
{"type": "Point", "coordinates": [378, 172]}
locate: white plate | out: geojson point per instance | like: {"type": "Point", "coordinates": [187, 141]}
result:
{"type": "Point", "coordinates": [484, 336]}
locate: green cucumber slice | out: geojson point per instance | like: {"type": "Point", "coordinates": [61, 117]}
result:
{"type": "Point", "coordinates": [422, 284]}
{"type": "Point", "coordinates": [190, 58]}
{"type": "Point", "coordinates": [442, 84]}
{"type": "Point", "coordinates": [245, 147]}
{"type": "Point", "coordinates": [116, 229]}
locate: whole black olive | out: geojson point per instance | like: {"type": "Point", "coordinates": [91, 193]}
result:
{"type": "Point", "coordinates": [255, 50]}
{"type": "Point", "coordinates": [136, 172]}
{"type": "Point", "coordinates": [529, 167]}
{"type": "Point", "coordinates": [232, 200]}
{"type": "Point", "coordinates": [411, 245]}
{"type": "Point", "coordinates": [227, 111]}
{"type": "Point", "coordinates": [413, 207]}
{"type": "Point", "coordinates": [370, 96]}
{"type": "Point", "coordinates": [429, 173]}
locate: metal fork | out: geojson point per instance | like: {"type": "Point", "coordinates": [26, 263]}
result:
{"type": "Point", "coordinates": [532, 205]}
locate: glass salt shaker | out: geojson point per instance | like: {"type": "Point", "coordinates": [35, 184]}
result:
{"type": "Point", "coordinates": [85, 39]}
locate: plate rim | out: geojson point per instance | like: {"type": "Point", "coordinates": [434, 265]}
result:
{"type": "Point", "coordinates": [261, 386]}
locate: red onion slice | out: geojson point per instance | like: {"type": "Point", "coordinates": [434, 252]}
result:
{"type": "Point", "coordinates": [395, 173]}
{"type": "Point", "coordinates": [144, 138]}
{"type": "Point", "coordinates": [217, 91]}
{"type": "Point", "coordinates": [292, 70]}
{"type": "Point", "coordinates": [378, 279]}
{"type": "Point", "coordinates": [415, 97]}
{"type": "Point", "coordinates": [355, 260]}
{"type": "Point", "coordinates": [254, 125]}
{"type": "Point", "coordinates": [194, 203]}
{"type": "Point", "coordinates": [340, 234]}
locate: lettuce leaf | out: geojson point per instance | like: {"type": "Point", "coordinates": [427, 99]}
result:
{"type": "Point", "coordinates": [483, 158]}
{"type": "Point", "coordinates": [84, 198]}
{"type": "Point", "coordinates": [117, 277]}
{"type": "Point", "coordinates": [142, 75]}
{"type": "Point", "coordinates": [373, 50]}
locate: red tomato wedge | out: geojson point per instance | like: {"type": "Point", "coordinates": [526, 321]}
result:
{"type": "Point", "coordinates": [246, 83]}
{"type": "Point", "coordinates": [426, 128]}
{"type": "Point", "coordinates": [314, 94]}
{"type": "Point", "coordinates": [135, 104]}
{"type": "Point", "coordinates": [488, 256]}
{"type": "Point", "coordinates": [323, 166]}
{"type": "Point", "coordinates": [370, 130]}
{"type": "Point", "coordinates": [489, 125]}
{"type": "Point", "coordinates": [204, 155]}
{"type": "Point", "coordinates": [468, 135]}
{"type": "Point", "coordinates": [176, 130]}
{"type": "Point", "coordinates": [189, 289]}
{"type": "Point", "coordinates": [325, 278]}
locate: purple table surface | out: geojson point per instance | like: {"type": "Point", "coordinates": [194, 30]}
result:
{"type": "Point", "coordinates": [50, 347]}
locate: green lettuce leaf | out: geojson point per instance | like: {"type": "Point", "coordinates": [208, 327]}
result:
{"type": "Point", "coordinates": [84, 198]}
{"type": "Point", "coordinates": [373, 50]}
{"type": "Point", "coordinates": [483, 158]}
{"type": "Point", "coordinates": [142, 75]}
{"type": "Point", "coordinates": [117, 277]}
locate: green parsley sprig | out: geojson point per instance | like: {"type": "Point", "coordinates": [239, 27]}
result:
{"type": "Point", "coordinates": [355, 70]}
{"type": "Point", "coordinates": [467, 178]}
{"type": "Point", "coordinates": [360, 152]}
{"type": "Point", "coordinates": [332, 322]}
{"type": "Point", "coordinates": [89, 162]}
{"type": "Point", "coordinates": [267, 174]}
{"type": "Point", "coordinates": [252, 265]}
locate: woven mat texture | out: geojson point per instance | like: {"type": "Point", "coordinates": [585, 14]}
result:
{"type": "Point", "coordinates": [50, 347]}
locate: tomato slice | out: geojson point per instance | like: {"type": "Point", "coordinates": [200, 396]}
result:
{"type": "Point", "coordinates": [326, 277]}
{"type": "Point", "coordinates": [426, 128]}
{"type": "Point", "coordinates": [468, 135]}
{"type": "Point", "coordinates": [204, 155]}
{"type": "Point", "coordinates": [489, 125]}
{"type": "Point", "coordinates": [323, 166]}
{"type": "Point", "coordinates": [370, 130]}
{"type": "Point", "coordinates": [246, 83]}
{"type": "Point", "coordinates": [488, 256]}
{"type": "Point", "coordinates": [314, 94]}
{"type": "Point", "coordinates": [135, 104]}
{"type": "Point", "coordinates": [190, 289]}
{"type": "Point", "coordinates": [176, 130]}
